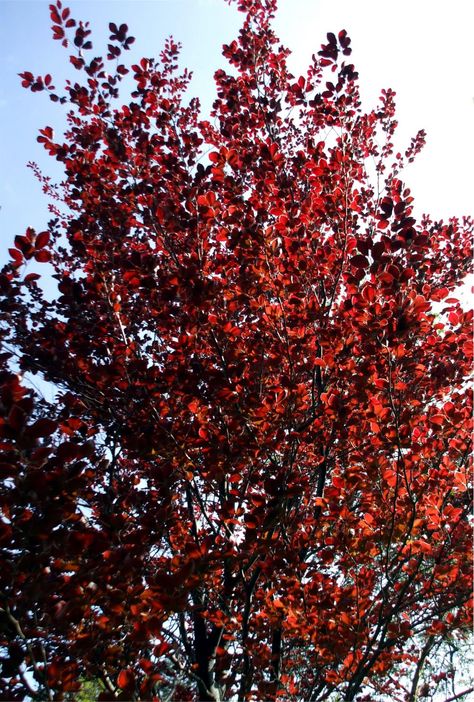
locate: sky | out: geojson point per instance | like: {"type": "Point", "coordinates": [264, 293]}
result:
{"type": "Point", "coordinates": [422, 49]}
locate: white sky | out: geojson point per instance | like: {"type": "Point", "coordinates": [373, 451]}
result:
{"type": "Point", "coordinates": [424, 50]}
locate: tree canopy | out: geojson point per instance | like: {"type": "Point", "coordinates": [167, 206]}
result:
{"type": "Point", "coordinates": [253, 482]}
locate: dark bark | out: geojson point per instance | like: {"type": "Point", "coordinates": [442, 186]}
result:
{"type": "Point", "coordinates": [276, 660]}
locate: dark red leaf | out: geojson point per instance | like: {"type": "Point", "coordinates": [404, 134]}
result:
{"type": "Point", "coordinates": [359, 261]}
{"type": "Point", "coordinates": [42, 256]}
{"type": "Point", "coordinates": [42, 428]}
{"type": "Point", "coordinates": [42, 240]}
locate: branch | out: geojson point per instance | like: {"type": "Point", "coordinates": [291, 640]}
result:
{"type": "Point", "coordinates": [419, 667]}
{"type": "Point", "coordinates": [40, 675]}
{"type": "Point", "coordinates": [459, 695]}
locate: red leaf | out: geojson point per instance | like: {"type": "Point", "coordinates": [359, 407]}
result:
{"type": "Point", "coordinates": [203, 433]}
{"type": "Point", "coordinates": [126, 679]}
{"type": "Point", "coordinates": [42, 427]}
{"type": "Point", "coordinates": [31, 277]}
{"type": "Point", "coordinates": [194, 406]}
{"type": "Point", "coordinates": [68, 451]}
{"type": "Point", "coordinates": [42, 240]}
{"type": "Point", "coordinates": [17, 256]}
{"type": "Point", "coordinates": [453, 318]}
{"type": "Point", "coordinates": [43, 256]}
{"type": "Point", "coordinates": [359, 261]}
{"type": "Point", "coordinates": [54, 14]}
{"type": "Point", "coordinates": [16, 418]}
{"type": "Point", "coordinates": [58, 32]}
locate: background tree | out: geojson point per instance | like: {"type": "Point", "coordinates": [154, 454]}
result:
{"type": "Point", "coordinates": [253, 482]}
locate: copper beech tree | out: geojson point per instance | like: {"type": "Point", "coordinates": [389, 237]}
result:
{"type": "Point", "coordinates": [253, 482]}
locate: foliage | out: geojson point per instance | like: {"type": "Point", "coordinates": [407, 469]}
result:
{"type": "Point", "coordinates": [90, 690]}
{"type": "Point", "coordinates": [253, 482]}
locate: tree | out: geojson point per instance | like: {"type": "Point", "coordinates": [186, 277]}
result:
{"type": "Point", "coordinates": [253, 482]}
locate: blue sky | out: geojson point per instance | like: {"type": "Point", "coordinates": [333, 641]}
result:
{"type": "Point", "coordinates": [420, 48]}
